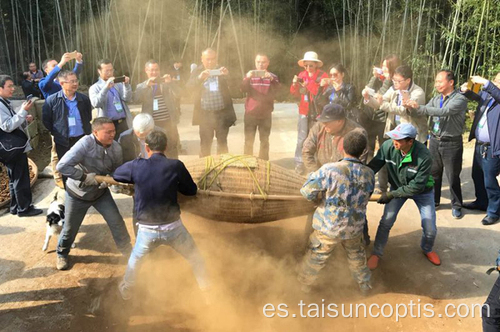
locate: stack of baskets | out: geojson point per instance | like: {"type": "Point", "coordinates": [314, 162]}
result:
{"type": "Point", "coordinates": [244, 189]}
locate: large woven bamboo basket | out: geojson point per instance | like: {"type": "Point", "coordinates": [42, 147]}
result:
{"type": "Point", "coordinates": [244, 189]}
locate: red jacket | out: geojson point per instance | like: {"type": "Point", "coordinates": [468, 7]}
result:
{"type": "Point", "coordinates": [260, 95]}
{"type": "Point", "coordinates": [312, 86]}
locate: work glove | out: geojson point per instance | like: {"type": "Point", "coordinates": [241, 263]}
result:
{"type": "Point", "coordinates": [385, 198]}
{"type": "Point", "coordinates": [104, 185]}
{"type": "Point", "coordinates": [126, 190]}
{"type": "Point", "coordinates": [89, 180]}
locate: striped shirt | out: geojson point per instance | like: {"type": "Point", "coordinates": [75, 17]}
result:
{"type": "Point", "coordinates": [160, 113]}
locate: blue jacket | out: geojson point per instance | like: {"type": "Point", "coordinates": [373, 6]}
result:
{"type": "Point", "coordinates": [55, 116]}
{"type": "Point", "coordinates": [156, 183]}
{"type": "Point", "coordinates": [47, 84]}
{"type": "Point", "coordinates": [483, 98]}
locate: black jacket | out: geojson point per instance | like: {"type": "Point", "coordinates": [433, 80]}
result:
{"type": "Point", "coordinates": [346, 97]}
{"type": "Point", "coordinates": [227, 114]}
{"type": "Point", "coordinates": [55, 116]}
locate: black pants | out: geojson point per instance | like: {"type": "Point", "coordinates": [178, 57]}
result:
{"type": "Point", "coordinates": [491, 309]}
{"type": "Point", "coordinates": [264, 126]}
{"type": "Point", "coordinates": [61, 151]}
{"type": "Point", "coordinates": [447, 154]}
{"type": "Point", "coordinates": [19, 184]}
{"type": "Point", "coordinates": [120, 126]}
{"type": "Point", "coordinates": [210, 126]}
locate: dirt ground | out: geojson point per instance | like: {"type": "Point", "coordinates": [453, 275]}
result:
{"type": "Point", "coordinates": [249, 265]}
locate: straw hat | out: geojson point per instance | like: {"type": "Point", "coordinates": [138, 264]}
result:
{"type": "Point", "coordinates": [310, 56]}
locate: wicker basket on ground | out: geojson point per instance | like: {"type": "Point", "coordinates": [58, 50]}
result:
{"type": "Point", "coordinates": [244, 189]}
{"type": "Point", "coordinates": [4, 185]}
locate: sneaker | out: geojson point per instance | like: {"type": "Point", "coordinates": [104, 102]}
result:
{"type": "Point", "coordinates": [436, 205]}
{"type": "Point", "coordinates": [32, 211]}
{"type": "Point", "coordinates": [474, 206]}
{"type": "Point", "coordinates": [62, 263]}
{"type": "Point", "coordinates": [372, 262]}
{"type": "Point", "coordinates": [433, 257]}
{"type": "Point", "coordinates": [124, 291]}
{"type": "Point", "coordinates": [456, 213]}
{"type": "Point", "coordinates": [13, 212]}
{"type": "Point", "coordinates": [365, 288]}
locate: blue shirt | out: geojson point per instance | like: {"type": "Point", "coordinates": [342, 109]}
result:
{"type": "Point", "coordinates": [49, 85]}
{"type": "Point", "coordinates": [74, 117]}
{"type": "Point", "coordinates": [113, 113]}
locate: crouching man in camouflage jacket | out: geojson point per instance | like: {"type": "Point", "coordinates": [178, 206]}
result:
{"type": "Point", "coordinates": [344, 189]}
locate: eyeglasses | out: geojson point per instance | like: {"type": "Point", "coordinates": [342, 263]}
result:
{"type": "Point", "coordinates": [70, 82]}
{"type": "Point", "coordinates": [399, 82]}
{"type": "Point", "coordinates": [334, 74]}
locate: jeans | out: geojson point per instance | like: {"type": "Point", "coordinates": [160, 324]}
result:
{"type": "Point", "coordinates": [425, 204]}
{"type": "Point", "coordinates": [251, 125]}
{"type": "Point", "coordinates": [485, 168]}
{"type": "Point", "coordinates": [75, 210]}
{"type": "Point", "coordinates": [179, 239]}
{"type": "Point", "coordinates": [19, 184]}
{"type": "Point", "coordinates": [210, 126]}
{"type": "Point", "coordinates": [491, 316]}
{"type": "Point", "coordinates": [302, 132]}
{"type": "Point", "coordinates": [447, 155]}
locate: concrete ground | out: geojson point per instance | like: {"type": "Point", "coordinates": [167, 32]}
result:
{"type": "Point", "coordinates": [250, 266]}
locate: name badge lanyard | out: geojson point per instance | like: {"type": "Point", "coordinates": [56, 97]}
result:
{"type": "Point", "coordinates": [116, 100]}
{"type": "Point", "coordinates": [484, 117]}
{"type": "Point", "coordinates": [436, 119]}
{"type": "Point", "coordinates": [397, 117]}
{"type": "Point", "coordinates": [155, 100]}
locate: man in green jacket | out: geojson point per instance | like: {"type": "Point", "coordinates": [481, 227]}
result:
{"type": "Point", "coordinates": [409, 166]}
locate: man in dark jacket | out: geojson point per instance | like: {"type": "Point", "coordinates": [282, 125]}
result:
{"type": "Point", "coordinates": [409, 167]}
{"type": "Point", "coordinates": [156, 181]}
{"type": "Point", "coordinates": [213, 106]}
{"type": "Point", "coordinates": [157, 96]}
{"type": "Point", "coordinates": [486, 162]}
{"type": "Point", "coordinates": [67, 114]}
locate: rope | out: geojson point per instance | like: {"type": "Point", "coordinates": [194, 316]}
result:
{"type": "Point", "coordinates": [221, 166]}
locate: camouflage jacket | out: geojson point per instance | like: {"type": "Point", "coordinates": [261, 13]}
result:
{"type": "Point", "coordinates": [345, 188]}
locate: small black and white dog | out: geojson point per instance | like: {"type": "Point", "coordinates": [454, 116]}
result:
{"type": "Point", "coordinates": [55, 221]}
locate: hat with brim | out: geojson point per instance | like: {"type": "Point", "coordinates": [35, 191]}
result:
{"type": "Point", "coordinates": [310, 56]}
{"type": "Point", "coordinates": [332, 112]}
{"type": "Point", "coordinates": [402, 131]}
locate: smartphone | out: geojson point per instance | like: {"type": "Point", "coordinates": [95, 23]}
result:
{"type": "Point", "coordinates": [73, 54]}
{"type": "Point", "coordinates": [379, 70]}
{"type": "Point", "coordinates": [259, 73]}
{"type": "Point", "coordinates": [300, 80]}
{"type": "Point", "coordinates": [119, 79]}
{"type": "Point", "coordinates": [473, 87]}
{"type": "Point", "coordinates": [371, 92]}
{"type": "Point", "coordinates": [29, 97]}
{"type": "Point", "coordinates": [215, 72]}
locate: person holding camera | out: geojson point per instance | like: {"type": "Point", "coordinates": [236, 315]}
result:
{"type": "Point", "coordinates": [213, 106]}
{"type": "Point", "coordinates": [393, 102]}
{"type": "Point", "coordinates": [157, 96]}
{"type": "Point", "coordinates": [306, 86]}
{"type": "Point", "coordinates": [14, 143]}
{"type": "Point", "coordinates": [260, 86]}
{"type": "Point", "coordinates": [485, 164]}
{"type": "Point", "coordinates": [110, 95]}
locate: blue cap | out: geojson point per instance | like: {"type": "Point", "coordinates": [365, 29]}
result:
{"type": "Point", "coordinates": [404, 130]}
